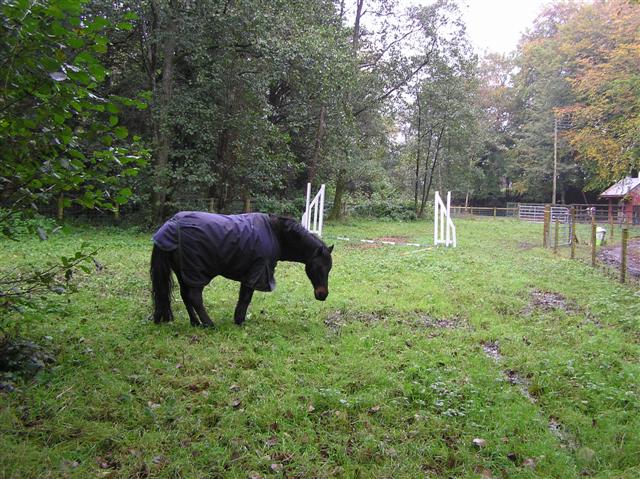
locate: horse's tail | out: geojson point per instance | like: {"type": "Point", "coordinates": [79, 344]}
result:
{"type": "Point", "coordinates": [161, 284]}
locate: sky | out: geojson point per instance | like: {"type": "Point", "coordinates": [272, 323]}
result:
{"type": "Point", "coordinates": [496, 25]}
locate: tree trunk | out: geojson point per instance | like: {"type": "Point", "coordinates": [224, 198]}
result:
{"type": "Point", "coordinates": [61, 206]}
{"type": "Point", "coordinates": [313, 167]}
{"type": "Point", "coordinates": [418, 159]}
{"type": "Point", "coordinates": [356, 26]}
{"type": "Point", "coordinates": [425, 195]}
{"type": "Point", "coordinates": [161, 123]}
{"type": "Point", "coordinates": [336, 209]}
{"type": "Point", "coordinates": [246, 199]}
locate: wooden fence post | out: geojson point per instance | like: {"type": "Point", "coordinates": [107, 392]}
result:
{"type": "Point", "coordinates": [494, 213]}
{"type": "Point", "coordinates": [593, 240]}
{"type": "Point", "coordinates": [623, 254]}
{"type": "Point", "coordinates": [545, 228]}
{"type": "Point", "coordinates": [60, 214]}
{"type": "Point", "coordinates": [574, 236]}
{"type": "Point", "coordinates": [611, 226]}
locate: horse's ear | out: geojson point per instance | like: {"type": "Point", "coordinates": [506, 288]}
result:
{"type": "Point", "coordinates": [330, 248]}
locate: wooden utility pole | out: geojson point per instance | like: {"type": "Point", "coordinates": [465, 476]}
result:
{"type": "Point", "coordinates": [555, 159]}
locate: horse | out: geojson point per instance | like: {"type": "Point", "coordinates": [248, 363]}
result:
{"type": "Point", "coordinates": [199, 246]}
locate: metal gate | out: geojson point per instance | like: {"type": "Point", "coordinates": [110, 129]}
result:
{"type": "Point", "coordinates": [562, 216]}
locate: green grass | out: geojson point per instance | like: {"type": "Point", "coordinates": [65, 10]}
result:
{"type": "Point", "coordinates": [366, 384]}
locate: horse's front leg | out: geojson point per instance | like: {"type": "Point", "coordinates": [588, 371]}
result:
{"type": "Point", "coordinates": [246, 293]}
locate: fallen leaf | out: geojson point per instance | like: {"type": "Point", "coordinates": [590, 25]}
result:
{"type": "Point", "coordinates": [276, 467]}
{"type": "Point", "coordinates": [254, 475]}
{"type": "Point", "coordinates": [234, 387]}
{"type": "Point", "coordinates": [529, 462]}
{"type": "Point", "coordinates": [153, 405]}
{"type": "Point", "coordinates": [236, 403]}
{"type": "Point", "coordinates": [158, 459]}
{"type": "Point", "coordinates": [310, 408]}
{"type": "Point", "coordinates": [374, 409]}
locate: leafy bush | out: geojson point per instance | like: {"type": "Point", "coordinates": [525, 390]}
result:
{"type": "Point", "coordinates": [18, 223]}
{"type": "Point", "coordinates": [293, 208]}
{"type": "Point", "coordinates": [392, 210]}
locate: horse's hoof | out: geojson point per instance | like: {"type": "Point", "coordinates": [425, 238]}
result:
{"type": "Point", "coordinates": [203, 325]}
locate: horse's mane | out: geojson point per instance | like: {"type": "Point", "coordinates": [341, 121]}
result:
{"type": "Point", "coordinates": [291, 226]}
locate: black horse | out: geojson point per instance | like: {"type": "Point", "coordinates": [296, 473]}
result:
{"type": "Point", "coordinates": [199, 246]}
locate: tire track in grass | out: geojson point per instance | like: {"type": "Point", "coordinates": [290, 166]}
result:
{"type": "Point", "coordinates": [555, 427]}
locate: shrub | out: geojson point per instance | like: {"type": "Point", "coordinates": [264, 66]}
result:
{"type": "Point", "coordinates": [392, 210]}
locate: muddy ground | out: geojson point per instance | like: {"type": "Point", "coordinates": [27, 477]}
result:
{"type": "Point", "coordinates": [611, 255]}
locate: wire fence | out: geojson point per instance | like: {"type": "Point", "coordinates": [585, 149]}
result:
{"type": "Point", "coordinates": [614, 250]}
{"type": "Point", "coordinates": [605, 237]}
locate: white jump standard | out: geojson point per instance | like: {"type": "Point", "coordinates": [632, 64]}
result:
{"type": "Point", "coordinates": [444, 231]}
{"type": "Point", "coordinates": [313, 215]}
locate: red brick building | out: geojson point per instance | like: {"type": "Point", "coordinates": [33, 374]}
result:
{"type": "Point", "coordinates": [626, 195]}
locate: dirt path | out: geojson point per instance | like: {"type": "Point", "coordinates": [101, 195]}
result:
{"type": "Point", "coordinates": [611, 255]}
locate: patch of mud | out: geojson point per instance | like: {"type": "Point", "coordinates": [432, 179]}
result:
{"type": "Point", "coordinates": [392, 239]}
{"type": "Point", "coordinates": [516, 379]}
{"type": "Point", "coordinates": [454, 322]}
{"type": "Point", "coordinates": [558, 430]}
{"type": "Point", "coordinates": [338, 319]}
{"type": "Point", "coordinates": [611, 255]}
{"type": "Point", "coordinates": [492, 349]}
{"type": "Point", "coordinates": [547, 301]}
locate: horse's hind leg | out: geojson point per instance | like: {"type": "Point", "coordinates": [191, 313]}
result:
{"type": "Point", "coordinates": [184, 293]}
{"type": "Point", "coordinates": [195, 298]}
{"type": "Point", "coordinates": [246, 293]}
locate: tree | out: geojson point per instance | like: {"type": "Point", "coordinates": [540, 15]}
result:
{"type": "Point", "coordinates": [602, 43]}
{"type": "Point", "coordinates": [58, 134]}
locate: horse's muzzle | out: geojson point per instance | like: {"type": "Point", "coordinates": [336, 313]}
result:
{"type": "Point", "coordinates": [321, 293]}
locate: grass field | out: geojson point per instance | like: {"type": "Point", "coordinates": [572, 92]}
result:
{"type": "Point", "coordinates": [494, 359]}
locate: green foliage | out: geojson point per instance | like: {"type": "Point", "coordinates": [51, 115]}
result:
{"type": "Point", "coordinates": [384, 209]}
{"type": "Point", "coordinates": [57, 133]}
{"type": "Point", "coordinates": [291, 208]}
{"type": "Point", "coordinates": [25, 287]}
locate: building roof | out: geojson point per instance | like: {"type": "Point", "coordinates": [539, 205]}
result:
{"type": "Point", "coordinates": [621, 188]}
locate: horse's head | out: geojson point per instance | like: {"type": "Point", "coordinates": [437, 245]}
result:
{"type": "Point", "coordinates": [317, 269]}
